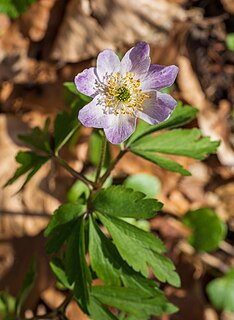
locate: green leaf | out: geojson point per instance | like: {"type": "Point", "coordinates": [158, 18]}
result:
{"type": "Point", "coordinates": [65, 126]}
{"type": "Point", "coordinates": [122, 202]}
{"type": "Point", "coordinates": [58, 269]}
{"type": "Point", "coordinates": [163, 162]}
{"type": "Point", "coordinates": [77, 269]}
{"type": "Point", "coordinates": [7, 304]}
{"type": "Point", "coordinates": [181, 115]}
{"type": "Point", "coordinates": [104, 257]}
{"type": "Point", "coordinates": [28, 283]}
{"type": "Point", "coordinates": [221, 292]}
{"type": "Point", "coordinates": [208, 230]}
{"type": "Point", "coordinates": [14, 8]}
{"type": "Point", "coordinates": [61, 225]}
{"type": "Point", "coordinates": [230, 41]}
{"type": "Point", "coordinates": [133, 301]}
{"type": "Point", "coordinates": [145, 183]}
{"type": "Point", "coordinates": [98, 311]}
{"type": "Point", "coordinates": [30, 163]}
{"type": "Point", "coordinates": [182, 142]}
{"type": "Point", "coordinates": [40, 139]}
{"type": "Point", "coordinates": [112, 269]}
{"type": "Point", "coordinates": [140, 249]}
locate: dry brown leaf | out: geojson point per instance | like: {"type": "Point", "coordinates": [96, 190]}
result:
{"type": "Point", "coordinates": [90, 27]}
{"type": "Point", "coordinates": [213, 123]}
{"type": "Point", "coordinates": [21, 213]}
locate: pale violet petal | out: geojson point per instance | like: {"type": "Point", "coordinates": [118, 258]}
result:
{"type": "Point", "coordinates": [136, 60]}
{"type": "Point", "coordinates": [86, 82]}
{"type": "Point", "coordinates": [157, 108]}
{"type": "Point", "coordinates": [121, 127]}
{"type": "Point", "coordinates": [159, 77]}
{"type": "Point", "coordinates": [107, 64]}
{"type": "Point", "coordinates": [93, 116]}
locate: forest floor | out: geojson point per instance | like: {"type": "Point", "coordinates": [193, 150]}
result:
{"type": "Point", "coordinates": [50, 44]}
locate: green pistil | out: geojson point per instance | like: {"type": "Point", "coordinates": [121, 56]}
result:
{"type": "Point", "coordinates": [122, 94]}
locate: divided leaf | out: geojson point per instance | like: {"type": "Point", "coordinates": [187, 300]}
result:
{"type": "Point", "coordinates": [132, 301]}
{"type": "Point", "coordinates": [61, 225]}
{"type": "Point", "coordinates": [77, 269]}
{"type": "Point", "coordinates": [30, 163]}
{"type": "Point", "coordinates": [123, 202]}
{"type": "Point", "coordinates": [140, 249]}
{"type": "Point", "coordinates": [39, 139]}
{"type": "Point", "coordinates": [98, 311]}
{"type": "Point", "coordinates": [221, 292]}
{"type": "Point", "coordinates": [198, 220]}
{"type": "Point", "coordinates": [182, 142]}
{"type": "Point", "coordinates": [180, 116]}
{"type": "Point", "coordinates": [58, 269]}
{"type": "Point", "coordinates": [163, 162]}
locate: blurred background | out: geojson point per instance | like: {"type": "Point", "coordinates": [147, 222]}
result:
{"type": "Point", "coordinates": [45, 43]}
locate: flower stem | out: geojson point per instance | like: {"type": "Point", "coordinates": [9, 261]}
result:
{"type": "Point", "coordinates": [73, 172]}
{"type": "Point", "coordinates": [102, 158]}
{"type": "Point", "coordinates": [111, 167]}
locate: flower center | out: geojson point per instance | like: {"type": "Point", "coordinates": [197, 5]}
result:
{"type": "Point", "coordinates": [122, 94]}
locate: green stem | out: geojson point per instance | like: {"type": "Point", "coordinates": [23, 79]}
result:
{"type": "Point", "coordinates": [73, 172]}
{"type": "Point", "coordinates": [111, 167]}
{"type": "Point", "coordinates": [102, 158]}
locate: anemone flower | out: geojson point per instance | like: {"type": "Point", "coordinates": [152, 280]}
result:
{"type": "Point", "coordinates": [125, 90]}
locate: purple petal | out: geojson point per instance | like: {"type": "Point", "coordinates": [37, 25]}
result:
{"type": "Point", "coordinates": [93, 116]}
{"type": "Point", "coordinates": [107, 63]}
{"type": "Point", "coordinates": [86, 82]}
{"type": "Point", "coordinates": [122, 126]}
{"type": "Point", "coordinates": [159, 77]}
{"type": "Point", "coordinates": [136, 59]}
{"type": "Point", "coordinates": [158, 108]}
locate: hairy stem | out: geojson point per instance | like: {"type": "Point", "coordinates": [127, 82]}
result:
{"type": "Point", "coordinates": [73, 172]}
{"type": "Point", "coordinates": [111, 167]}
{"type": "Point", "coordinates": [102, 158]}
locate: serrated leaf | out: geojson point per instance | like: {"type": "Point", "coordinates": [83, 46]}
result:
{"type": "Point", "coordinates": [163, 162]}
{"type": "Point", "coordinates": [140, 249]}
{"type": "Point", "coordinates": [123, 202]}
{"type": "Point", "coordinates": [62, 224]}
{"type": "Point", "coordinates": [104, 257]}
{"type": "Point", "coordinates": [198, 220]}
{"type": "Point", "coordinates": [77, 269]}
{"type": "Point", "coordinates": [65, 126]}
{"type": "Point", "coordinates": [221, 292]}
{"type": "Point", "coordinates": [181, 115]}
{"type": "Point", "coordinates": [182, 142]}
{"type": "Point", "coordinates": [58, 269]}
{"type": "Point", "coordinates": [98, 311]}
{"type": "Point", "coordinates": [14, 8]}
{"type": "Point", "coordinates": [39, 139]}
{"type": "Point", "coordinates": [130, 300]}
{"type": "Point", "coordinates": [145, 183]}
{"type": "Point", "coordinates": [30, 163]}
{"type": "Point", "coordinates": [113, 270]}
{"type": "Point", "coordinates": [28, 283]}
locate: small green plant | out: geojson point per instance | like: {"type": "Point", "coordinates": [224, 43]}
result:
{"type": "Point", "coordinates": [121, 256]}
